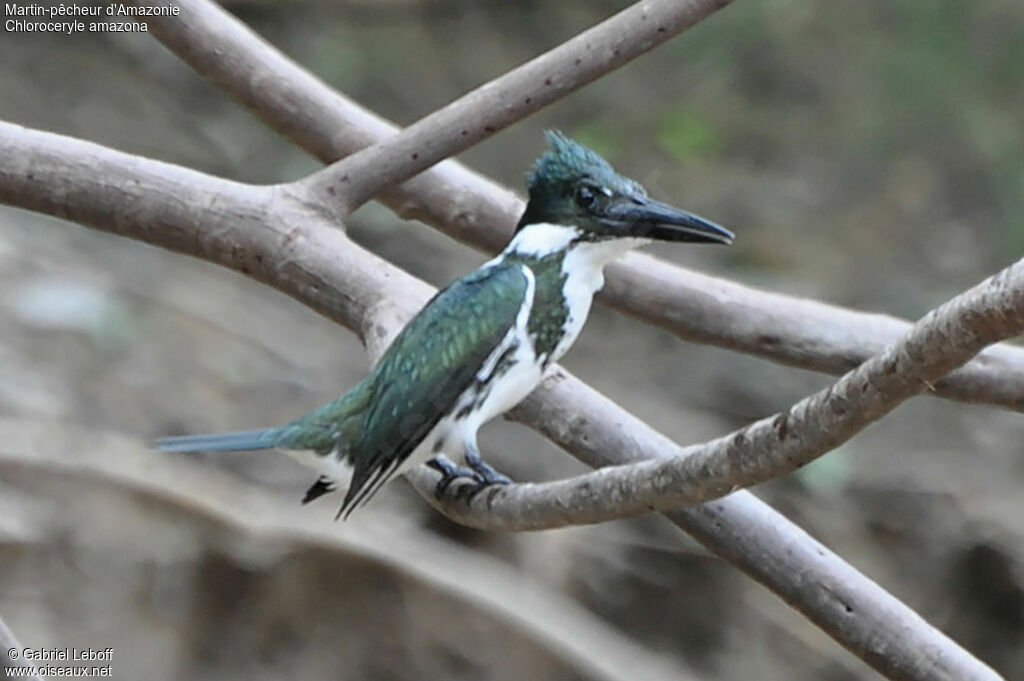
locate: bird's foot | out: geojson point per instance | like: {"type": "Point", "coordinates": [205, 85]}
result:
{"type": "Point", "coordinates": [488, 474]}
{"type": "Point", "coordinates": [485, 471]}
{"type": "Point", "coordinates": [449, 473]}
{"type": "Point", "coordinates": [481, 473]}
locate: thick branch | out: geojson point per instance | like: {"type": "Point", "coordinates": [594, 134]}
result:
{"type": "Point", "coordinates": [479, 212]}
{"type": "Point", "coordinates": [263, 232]}
{"type": "Point", "coordinates": [325, 123]}
{"type": "Point", "coordinates": [286, 243]}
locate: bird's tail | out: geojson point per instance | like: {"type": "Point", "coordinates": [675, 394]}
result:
{"type": "Point", "coordinates": [322, 430]}
{"type": "Point", "coordinates": [221, 442]}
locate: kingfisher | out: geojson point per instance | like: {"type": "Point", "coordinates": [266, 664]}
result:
{"type": "Point", "coordinates": [481, 344]}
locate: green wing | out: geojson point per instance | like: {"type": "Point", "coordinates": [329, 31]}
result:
{"type": "Point", "coordinates": [428, 366]}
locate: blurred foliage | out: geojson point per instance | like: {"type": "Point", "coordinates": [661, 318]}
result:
{"type": "Point", "coordinates": [846, 96]}
{"type": "Point", "coordinates": [600, 135]}
{"type": "Point", "coordinates": [686, 134]}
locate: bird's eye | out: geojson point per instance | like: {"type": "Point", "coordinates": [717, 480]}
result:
{"type": "Point", "coordinates": [585, 197]}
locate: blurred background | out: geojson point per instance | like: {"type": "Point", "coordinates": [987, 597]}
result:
{"type": "Point", "coordinates": [867, 153]}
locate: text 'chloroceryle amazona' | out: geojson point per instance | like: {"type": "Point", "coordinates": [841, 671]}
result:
{"type": "Point", "coordinates": [481, 344]}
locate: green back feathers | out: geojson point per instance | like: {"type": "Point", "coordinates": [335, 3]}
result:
{"type": "Point", "coordinates": [426, 368]}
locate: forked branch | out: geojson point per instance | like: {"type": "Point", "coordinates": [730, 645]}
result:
{"type": "Point", "coordinates": [294, 248]}
{"type": "Point", "coordinates": [283, 239]}
{"type": "Point", "coordinates": [696, 307]}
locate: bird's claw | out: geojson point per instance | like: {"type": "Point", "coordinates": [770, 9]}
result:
{"type": "Point", "coordinates": [482, 474]}
{"type": "Point", "coordinates": [469, 492]}
{"type": "Point", "coordinates": [449, 473]}
{"type": "Point", "coordinates": [487, 474]}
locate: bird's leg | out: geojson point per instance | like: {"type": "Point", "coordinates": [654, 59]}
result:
{"type": "Point", "coordinates": [485, 471]}
{"type": "Point", "coordinates": [449, 472]}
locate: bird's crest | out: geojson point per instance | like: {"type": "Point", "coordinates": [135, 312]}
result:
{"type": "Point", "coordinates": [568, 162]}
{"type": "Point", "coordinates": [561, 173]}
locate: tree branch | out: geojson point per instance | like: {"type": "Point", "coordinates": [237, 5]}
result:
{"type": "Point", "coordinates": [283, 239]}
{"type": "Point", "coordinates": [307, 111]}
{"type": "Point", "coordinates": [482, 213]}
{"type": "Point", "coordinates": [267, 233]}
{"type": "Point", "coordinates": [353, 181]}
{"type": "Point", "coordinates": [948, 336]}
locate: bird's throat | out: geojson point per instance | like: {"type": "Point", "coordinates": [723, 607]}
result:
{"type": "Point", "coordinates": [568, 269]}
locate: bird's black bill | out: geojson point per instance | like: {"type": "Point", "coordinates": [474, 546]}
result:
{"type": "Point", "coordinates": [650, 219]}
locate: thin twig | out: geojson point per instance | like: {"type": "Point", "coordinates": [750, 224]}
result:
{"type": "Point", "coordinates": [281, 239]}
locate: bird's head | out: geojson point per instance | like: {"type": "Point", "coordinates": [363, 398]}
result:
{"type": "Point", "coordinates": [572, 185]}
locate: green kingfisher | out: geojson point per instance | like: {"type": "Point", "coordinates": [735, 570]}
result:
{"type": "Point", "coordinates": [481, 344]}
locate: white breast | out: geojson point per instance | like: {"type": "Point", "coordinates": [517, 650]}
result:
{"type": "Point", "coordinates": [522, 376]}
{"type": "Point", "coordinates": [584, 270]}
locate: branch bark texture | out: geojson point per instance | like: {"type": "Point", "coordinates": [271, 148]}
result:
{"type": "Point", "coordinates": [284, 239]}
{"type": "Point", "coordinates": [482, 213]}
